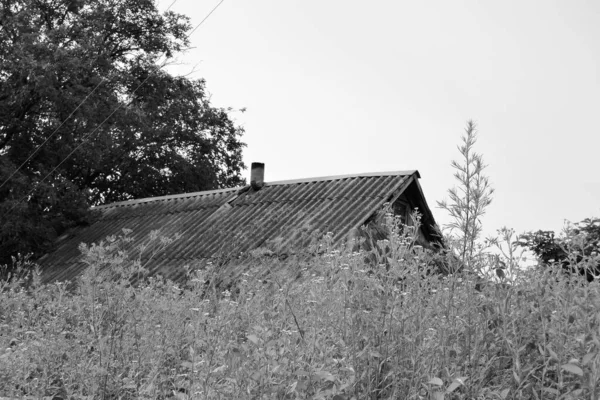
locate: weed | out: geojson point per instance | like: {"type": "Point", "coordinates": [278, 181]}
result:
{"type": "Point", "coordinates": [336, 326]}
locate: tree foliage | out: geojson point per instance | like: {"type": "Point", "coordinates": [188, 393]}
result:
{"type": "Point", "coordinates": [577, 250]}
{"type": "Point", "coordinates": [83, 80]}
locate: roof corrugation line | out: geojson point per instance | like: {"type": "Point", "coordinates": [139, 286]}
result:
{"type": "Point", "coordinates": [218, 222]}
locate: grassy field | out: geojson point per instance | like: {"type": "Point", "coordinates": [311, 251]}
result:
{"type": "Point", "coordinates": [328, 327]}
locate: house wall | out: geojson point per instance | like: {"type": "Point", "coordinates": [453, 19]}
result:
{"type": "Point", "coordinates": [404, 207]}
{"type": "Point", "coordinates": [375, 229]}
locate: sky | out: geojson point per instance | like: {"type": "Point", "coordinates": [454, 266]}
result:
{"type": "Point", "coordinates": [336, 87]}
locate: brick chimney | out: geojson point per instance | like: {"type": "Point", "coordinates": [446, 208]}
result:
{"type": "Point", "coordinates": [257, 175]}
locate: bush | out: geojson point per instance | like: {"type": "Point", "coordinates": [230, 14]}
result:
{"type": "Point", "coordinates": [577, 250]}
{"type": "Point", "coordinates": [330, 327]}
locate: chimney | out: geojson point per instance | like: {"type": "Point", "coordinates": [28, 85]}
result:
{"type": "Point", "coordinates": [257, 175]}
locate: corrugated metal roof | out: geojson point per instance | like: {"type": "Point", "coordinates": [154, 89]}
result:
{"type": "Point", "coordinates": [234, 220]}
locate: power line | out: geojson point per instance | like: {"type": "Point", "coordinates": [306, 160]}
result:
{"type": "Point", "coordinates": [90, 133]}
{"type": "Point", "coordinates": [52, 134]}
{"type": "Point", "coordinates": [106, 119]}
{"type": "Point", "coordinates": [37, 149]}
{"type": "Point", "coordinates": [205, 18]}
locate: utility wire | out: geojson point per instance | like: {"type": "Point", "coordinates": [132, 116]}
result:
{"type": "Point", "coordinates": [52, 134]}
{"type": "Point", "coordinates": [106, 119]}
{"type": "Point", "coordinates": [205, 18]}
{"type": "Point", "coordinates": [37, 149]}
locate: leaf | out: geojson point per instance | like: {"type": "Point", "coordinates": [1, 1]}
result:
{"type": "Point", "coordinates": [551, 390]}
{"type": "Point", "coordinates": [253, 338]}
{"type": "Point", "coordinates": [292, 387]}
{"type": "Point", "coordinates": [504, 393]}
{"type": "Point", "coordinates": [219, 369]}
{"type": "Point", "coordinates": [453, 386]}
{"type": "Point", "coordinates": [324, 375]}
{"type": "Point", "coordinates": [180, 395]}
{"type": "Point", "coordinates": [302, 385]}
{"type": "Point", "coordinates": [517, 379]}
{"type": "Point", "coordinates": [436, 381]}
{"type": "Point", "coordinates": [255, 376]}
{"type": "Point", "coordinates": [375, 354]}
{"type": "Point", "coordinates": [572, 368]}
{"type": "Point", "coordinates": [461, 379]}
{"type": "Point", "coordinates": [587, 358]}
{"type": "Point", "coordinates": [438, 395]}
{"type": "Point", "coordinates": [187, 365]}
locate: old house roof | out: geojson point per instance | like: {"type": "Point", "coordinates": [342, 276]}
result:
{"type": "Point", "coordinates": [239, 219]}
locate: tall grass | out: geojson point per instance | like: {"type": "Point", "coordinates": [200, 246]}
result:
{"type": "Point", "coordinates": [338, 326]}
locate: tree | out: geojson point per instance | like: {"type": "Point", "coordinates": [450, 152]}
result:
{"type": "Point", "coordinates": [469, 201]}
{"type": "Point", "coordinates": [88, 117]}
{"type": "Point", "coordinates": [576, 251]}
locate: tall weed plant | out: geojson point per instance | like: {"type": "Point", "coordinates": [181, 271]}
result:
{"type": "Point", "coordinates": [468, 201]}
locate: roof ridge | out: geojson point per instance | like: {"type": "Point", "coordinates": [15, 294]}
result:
{"type": "Point", "coordinates": [267, 184]}
{"type": "Point", "coordinates": [337, 177]}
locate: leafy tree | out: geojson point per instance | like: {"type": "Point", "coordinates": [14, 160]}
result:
{"type": "Point", "coordinates": [577, 250]}
{"type": "Point", "coordinates": [469, 201]}
{"type": "Point", "coordinates": [87, 116]}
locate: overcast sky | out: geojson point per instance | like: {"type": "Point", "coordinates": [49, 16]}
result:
{"type": "Point", "coordinates": [340, 87]}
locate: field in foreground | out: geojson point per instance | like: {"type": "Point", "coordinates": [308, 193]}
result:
{"type": "Point", "coordinates": [332, 327]}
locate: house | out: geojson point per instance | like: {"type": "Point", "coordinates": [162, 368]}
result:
{"type": "Point", "coordinates": [271, 215]}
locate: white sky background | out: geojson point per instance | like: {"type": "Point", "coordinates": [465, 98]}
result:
{"type": "Point", "coordinates": [340, 87]}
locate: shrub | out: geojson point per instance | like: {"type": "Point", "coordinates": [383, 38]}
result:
{"type": "Point", "coordinates": [330, 327]}
{"type": "Point", "coordinates": [577, 250]}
